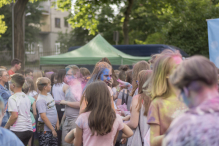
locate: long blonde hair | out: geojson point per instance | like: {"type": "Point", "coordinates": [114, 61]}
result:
{"type": "Point", "coordinates": [139, 66]}
{"type": "Point", "coordinates": [159, 83]}
{"type": "Point", "coordinates": [36, 74]}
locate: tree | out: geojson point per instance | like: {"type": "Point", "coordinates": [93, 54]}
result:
{"type": "Point", "coordinates": [188, 29]}
{"type": "Point", "coordinates": [86, 14]}
{"type": "Point", "coordinates": [19, 8]}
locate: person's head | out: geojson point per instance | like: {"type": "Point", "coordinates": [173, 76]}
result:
{"type": "Point", "coordinates": [2, 108]}
{"type": "Point", "coordinates": [113, 82]}
{"type": "Point", "coordinates": [47, 70]}
{"type": "Point", "coordinates": [103, 72]}
{"type": "Point", "coordinates": [117, 73]}
{"type": "Point", "coordinates": [129, 76]}
{"type": "Point", "coordinates": [170, 51]}
{"type": "Point", "coordinates": [36, 74]}
{"type": "Point", "coordinates": [122, 74]}
{"type": "Point", "coordinates": [163, 67]}
{"type": "Point", "coordinates": [152, 60]}
{"type": "Point", "coordinates": [26, 87]}
{"type": "Point", "coordinates": [43, 84]}
{"type": "Point", "coordinates": [17, 81]}
{"type": "Point", "coordinates": [98, 100]}
{"type": "Point", "coordinates": [143, 76]}
{"type": "Point", "coordinates": [61, 76]}
{"type": "Point", "coordinates": [48, 74]}
{"type": "Point", "coordinates": [29, 73]}
{"type": "Point", "coordinates": [84, 72]}
{"type": "Point", "coordinates": [4, 77]}
{"type": "Point", "coordinates": [16, 63]}
{"type": "Point", "coordinates": [30, 83]}
{"type": "Point", "coordinates": [139, 66]}
{"type": "Point", "coordinates": [196, 78]}
{"type": "Point", "coordinates": [72, 72]}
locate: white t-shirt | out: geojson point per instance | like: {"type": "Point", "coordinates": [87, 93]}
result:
{"type": "Point", "coordinates": [20, 102]}
{"type": "Point", "coordinates": [32, 93]}
{"type": "Point", "coordinates": [57, 92]}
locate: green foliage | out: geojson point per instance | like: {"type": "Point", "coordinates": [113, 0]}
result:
{"type": "Point", "coordinates": [188, 30]}
{"type": "Point", "coordinates": [181, 23]}
{"type": "Point", "coordinates": [31, 23]}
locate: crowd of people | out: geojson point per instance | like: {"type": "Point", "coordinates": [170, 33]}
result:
{"type": "Point", "coordinates": [168, 101]}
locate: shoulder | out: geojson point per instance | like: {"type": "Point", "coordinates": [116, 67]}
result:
{"type": "Point", "coordinates": [7, 134]}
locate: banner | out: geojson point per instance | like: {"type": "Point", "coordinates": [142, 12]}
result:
{"type": "Point", "coordinates": [213, 40]}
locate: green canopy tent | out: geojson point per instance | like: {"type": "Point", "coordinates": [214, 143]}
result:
{"type": "Point", "coordinates": [90, 54]}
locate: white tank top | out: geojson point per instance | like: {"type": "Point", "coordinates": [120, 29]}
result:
{"type": "Point", "coordinates": [57, 92]}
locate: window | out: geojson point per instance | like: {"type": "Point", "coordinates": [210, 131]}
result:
{"type": "Point", "coordinates": [57, 48]}
{"type": "Point", "coordinates": [40, 46]}
{"type": "Point", "coordinates": [66, 22]}
{"type": "Point", "coordinates": [30, 48]}
{"type": "Point", "coordinates": [57, 22]}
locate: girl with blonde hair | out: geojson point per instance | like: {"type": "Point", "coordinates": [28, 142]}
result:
{"type": "Point", "coordinates": [165, 105]}
{"type": "Point", "coordinates": [36, 74]}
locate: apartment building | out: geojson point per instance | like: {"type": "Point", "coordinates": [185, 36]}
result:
{"type": "Point", "coordinates": [54, 21]}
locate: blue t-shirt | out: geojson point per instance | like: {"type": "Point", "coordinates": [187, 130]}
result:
{"type": "Point", "coordinates": [7, 138]}
{"type": "Point", "coordinates": [5, 94]}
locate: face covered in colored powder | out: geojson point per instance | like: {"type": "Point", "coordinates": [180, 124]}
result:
{"type": "Point", "coordinates": [106, 75]}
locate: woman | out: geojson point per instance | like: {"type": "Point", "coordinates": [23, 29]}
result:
{"type": "Point", "coordinates": [59, 95]}
{"type": "Point", "coordinates": [165, 105]}
{"type": "Point", "coordinates": [139, 110]}
{"type": "Point", "coordinates": [71, 102]}
{"type": "Point", "coordinates": [124, 96]}
{"type": "Point", "coordinates": [4, 93]}
{"type": "Point", "coordinates": [196, 78]}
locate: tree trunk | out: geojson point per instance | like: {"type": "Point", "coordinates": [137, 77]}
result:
{"type": "Point", "coordinates": [19, 48]}
{"type": "Point", "coordinates": [126, 22]}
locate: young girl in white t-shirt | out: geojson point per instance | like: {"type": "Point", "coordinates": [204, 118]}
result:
{"type": "Point", "coordinates": [98, 124]}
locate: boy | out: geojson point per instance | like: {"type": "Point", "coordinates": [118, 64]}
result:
{"type": "Point", "coordinates": [7, 138]}
{"type": "Point", "coordinates": [48, 119]}
{"type": "Point", "coordinates": [19, 106]}
{"type": "Point", "coordinates": [28, 73]}
{"type": "Point", "coordinates": [15, 66]}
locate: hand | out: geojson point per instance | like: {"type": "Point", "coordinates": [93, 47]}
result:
{"type": "Point", "coordinates": [118, 111]}
{"type": "Point", "coordinates": [123, 140]}
{"type": "Point", "coordinates": [126, 118]}
{"type": "Point", "coordinates": [57, 126]}
{"type": "Point", "coordinates": [123, 84]}
{"type": "Point", "coordinates": [54, 133]}
{"type": "Point", "coordinates": [63, 102]}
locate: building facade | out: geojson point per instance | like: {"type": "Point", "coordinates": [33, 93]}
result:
{"type": "Point", "coordinates": [54, 21]}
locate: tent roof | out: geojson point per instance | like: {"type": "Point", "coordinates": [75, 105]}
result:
{"type": "Point", "coordinates": [90, 54]}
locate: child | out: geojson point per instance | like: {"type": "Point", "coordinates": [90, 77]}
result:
{"type": "Point", "coordinates": [19, 106]}
{"type": "Point", "coordinates": [98, 124]}
{"type": "Point", "coordinates": [48, 119]}
{"type": "Point", "coordinates": [33, 113]}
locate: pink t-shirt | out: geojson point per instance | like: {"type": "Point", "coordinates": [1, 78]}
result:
{"type": "Point", "coordinates": [106, 140]}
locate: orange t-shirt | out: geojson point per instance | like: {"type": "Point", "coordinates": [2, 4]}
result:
{"type": "Point", "coordinates": [84, 104]}
{"type": "Point", "coordinates": [10, 72]}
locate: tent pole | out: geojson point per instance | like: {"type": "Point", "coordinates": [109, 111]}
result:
{"type": "Point", "coordinates": [122, 61]}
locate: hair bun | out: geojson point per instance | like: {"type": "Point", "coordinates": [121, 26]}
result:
{"type": "Point", "coordinates": [124, 67]}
